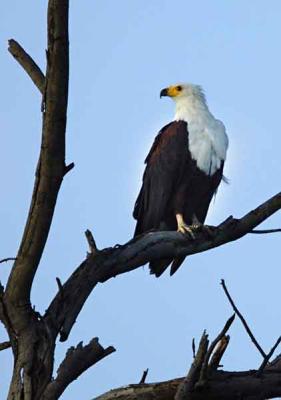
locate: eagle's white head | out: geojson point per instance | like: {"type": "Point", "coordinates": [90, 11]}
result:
{"type": "Point", "coordinates": [184, 91]}
{"type": "Point", "coordinates": [207, 138]}
{"type": "Point", "coordinates": [189, 98]}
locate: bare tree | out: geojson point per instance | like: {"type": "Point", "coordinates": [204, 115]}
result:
{"type": "Point", "coordinates": [32, 337]}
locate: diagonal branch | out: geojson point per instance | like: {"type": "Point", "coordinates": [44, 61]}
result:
{"type": "Point", "coordinates": [110, 262]}
{"type": "Point", "coordinates": [51, 165]}
{"type": "Point", "coordinates": [246, 326]}
{"type": "Point", "coordinates": [5, 345]}
{"type": "Point", "coordinates": [77, 360]}
{"type": "Point", "coordinates": [28, 64]}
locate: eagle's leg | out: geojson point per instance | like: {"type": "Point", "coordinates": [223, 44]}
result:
{"type": "Point", "coordinates": [196, 226]}
{"type": "Point", "coordinates": [183, 227]}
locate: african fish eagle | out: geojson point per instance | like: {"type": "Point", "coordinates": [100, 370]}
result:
{"type": "Point", "coordinates": [184, 168]}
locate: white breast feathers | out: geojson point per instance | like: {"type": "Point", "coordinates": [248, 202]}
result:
{"type": "Point", "coordinates": [208, 141]}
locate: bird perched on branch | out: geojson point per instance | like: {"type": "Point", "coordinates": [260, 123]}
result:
{"type": "Point", "coordinates": [184, 168]}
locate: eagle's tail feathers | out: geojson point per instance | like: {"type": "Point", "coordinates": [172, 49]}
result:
{"type": "Point", "coordinates": [159, 266]}
{"type": "Point", "coordinates": [176, 264]}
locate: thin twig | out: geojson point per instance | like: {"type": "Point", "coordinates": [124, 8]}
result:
{"type": "Point", "coordinates": [5, 345]}
{"type": "Point", "coordinates": [60, 286]}
{"type": "Point", "coordinates": [28, 64]}
{"type": "Point", "coordinates": [248, 330]}
{"type": "Point", "coordinates": [267, 358]}
{"type": "Point", "coordinates": [7, 259]}
{"type": "Point", "coordinates": [68, 168]}
{"type": "Point", "coordinates": [263, 231]}
{"type": "Point", "coordinates": [193, 347]}
{"type": "Point", "coordinates": [144, 375]}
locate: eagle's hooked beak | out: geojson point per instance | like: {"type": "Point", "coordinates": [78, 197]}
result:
{"type": "Point", "coordinates": [164, 92]}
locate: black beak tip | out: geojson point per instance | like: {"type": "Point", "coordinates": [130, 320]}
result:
{"type": "Point", "coordinates": [164, 92]}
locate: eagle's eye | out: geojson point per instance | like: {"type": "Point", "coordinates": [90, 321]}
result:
{"type": "Point", "coordinates": [179, 88]}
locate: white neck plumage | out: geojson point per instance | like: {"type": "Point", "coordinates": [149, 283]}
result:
{"type": "Point", "coordinates": [208, 141]}
{"type": "Point", "coordinates": [188, 108]}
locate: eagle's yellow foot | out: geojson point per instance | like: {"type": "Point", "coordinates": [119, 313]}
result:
{"type": "Point", "coordinates": [183, 227]}
{"type": "Point", "coordinates": [186, 230]}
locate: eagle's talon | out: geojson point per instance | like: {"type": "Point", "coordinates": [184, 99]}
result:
{"type": "Point", "coordinates": [186, 230]}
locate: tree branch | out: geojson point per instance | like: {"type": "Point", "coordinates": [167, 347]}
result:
{"type": "Point", "coordinates": [91, 242]}
{"type": "Point", "coordinates": [28, 64]}
{"type": "Point", "coordinates": [111, 262]}
{"type": "Point", "coordinates": [223, 385]}
{"type": "Point", "coordinates": [268, 356]}
{"type": "Point", "coordinates": [198, 374]}
{"type": "Point", "coordinates": [5, 345]}
{"type": "Point", "coordinates": [246, 326]}
{"type": "Point", "coordinates": [77, 360]}
{"type": "Point", "coordinates": [7, 259]}
{"type": "Point", "coordinates": [187, 385]}
{"type": "Point", "coordinates": [218, 353]}
{"type": "Point", "coordinates": [265, 231]}
{"type": "Point", "coordinates": [144, 376]}
{"type": "Point", "coordinates": [51, 165]}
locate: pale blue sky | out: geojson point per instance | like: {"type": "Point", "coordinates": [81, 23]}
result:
{"type": "Point", "coordinates": [122, 53]}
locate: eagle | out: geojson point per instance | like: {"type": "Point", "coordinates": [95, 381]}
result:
{"type": "Point", "coordinates": [184, 168]}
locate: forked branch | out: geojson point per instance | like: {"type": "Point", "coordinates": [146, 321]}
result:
{"type": "Point", "coordinates": [77, 360]}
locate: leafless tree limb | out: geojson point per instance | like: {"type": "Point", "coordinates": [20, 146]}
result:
{"type": "Point", "coordinates": [77, 360]}
{"type": "Point", "coordinates": [223, 385]}
{"type": "Point", "coordinates": [68, 168]}
{"type": "Point", "coordinates": [193, 347]}
{"type": "Point", "coordinates": [91, 242]}
{"type": "Point", "coordinates": [220, 385]}
{"type": "Point", "coordinates": [28, 64]}
{"type": "Point", "coordinates": [187, 385]}
{"type": "Point", "coordinates": [5, 345]}
{"type": "Point", "coordinates": [7, 259]}
{"type": "Point", "coordinates": [246, 326]}
{"type": "Point", "coordinates": [265, 231]}
{"type": "Point", "coordinates": [218, 353]}
{"type": "Point", "coordinates": [268, 356]}
{"type": "Point", "coordinates": [198, 374]}
{"type": "Point", "coordinates": [111, 262]}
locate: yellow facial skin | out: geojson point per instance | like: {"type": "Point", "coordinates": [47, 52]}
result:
{"type": "Point", "coordinates": [171, 91]}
